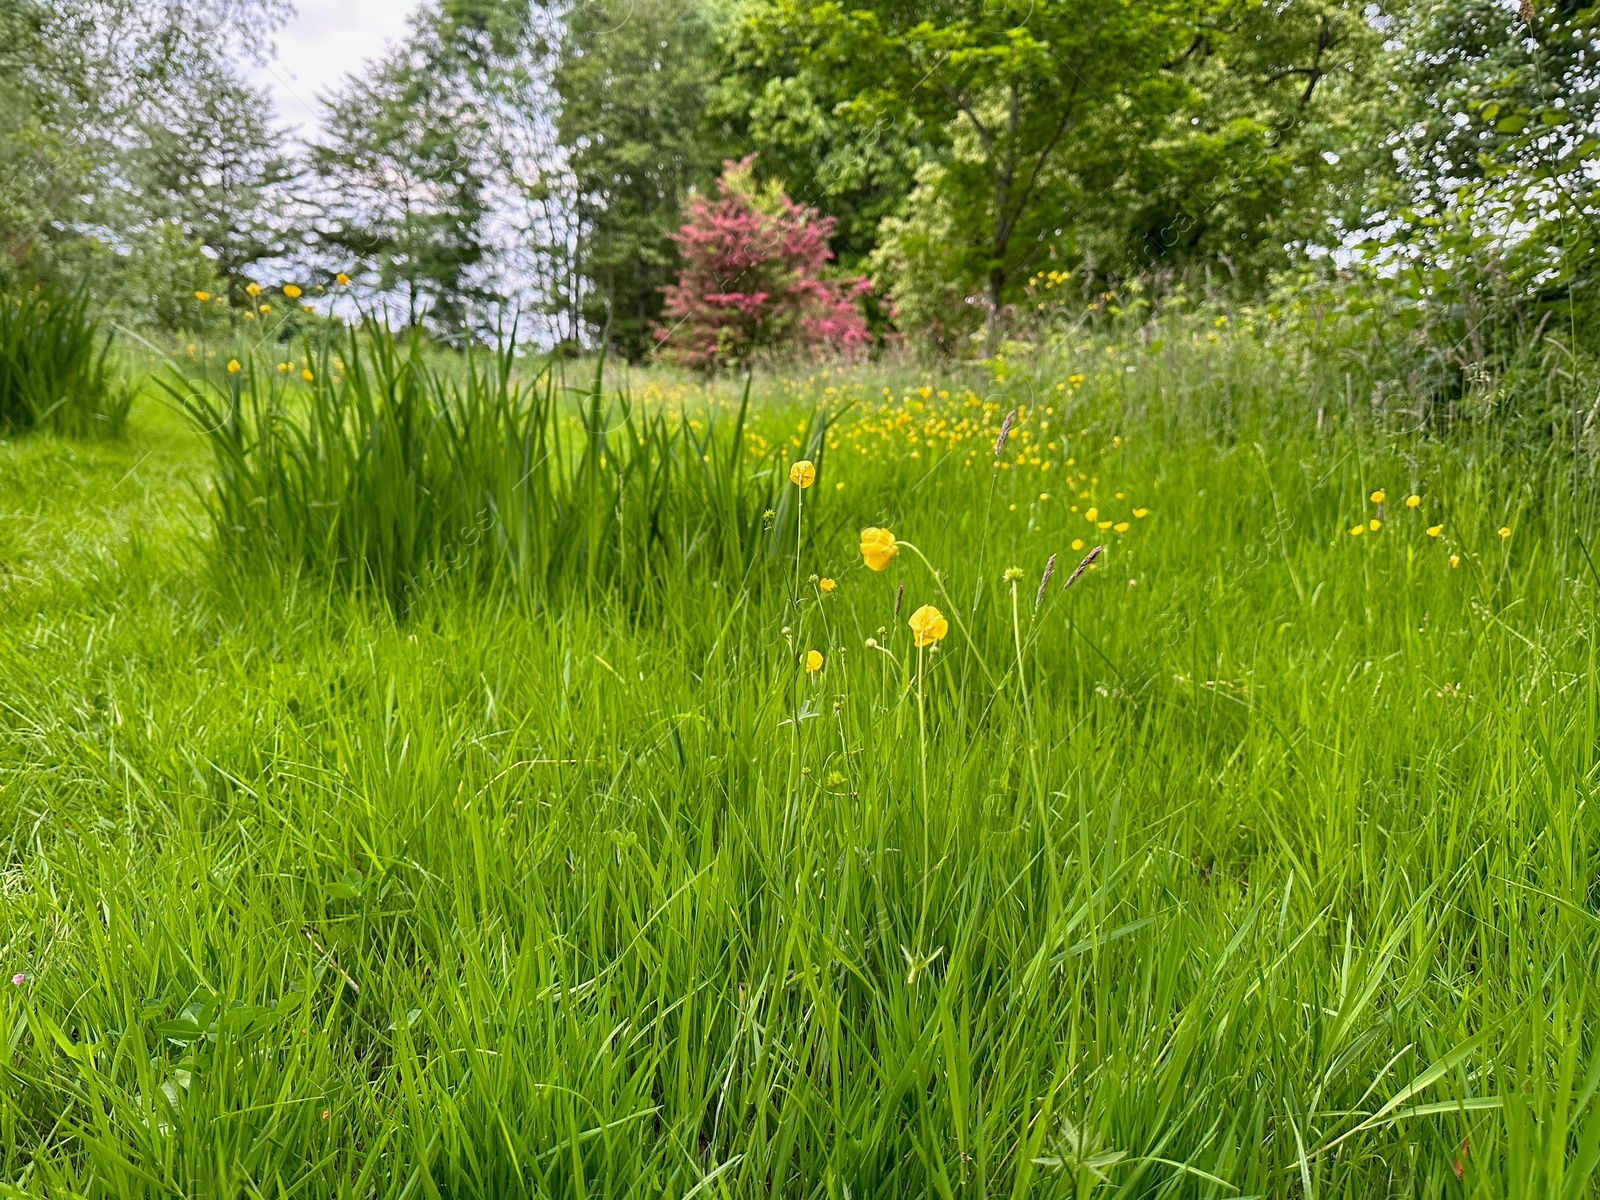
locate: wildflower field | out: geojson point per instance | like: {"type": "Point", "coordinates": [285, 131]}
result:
{"type": "Point", "coordinates": [800, 820]}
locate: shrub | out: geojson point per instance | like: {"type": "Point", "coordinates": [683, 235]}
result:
{"type": "Point", "coordinates": [387, 474]}
{"type": "Point", "coordinates": [55, 370]}
{"type": "Point", "coordinates": [751, 280]}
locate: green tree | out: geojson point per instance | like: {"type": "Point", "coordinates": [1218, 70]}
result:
{"type": "Point", "coordinates": [997, 137]}
{"type": "Point", "coordinates": [783, 99]}
{"type": "Point", "coordinates": [633, 80]}
{"type": "Point", "coordinates": [1492, 207]}
{"type": "Point", "coordinates": [1015, 83]}
{"type": "Point", "coordinates": [129, 136]}
{"type": "Point", "coordinates": [1277, 114]}
{"type": "Point", "coordinates": [402, 165]}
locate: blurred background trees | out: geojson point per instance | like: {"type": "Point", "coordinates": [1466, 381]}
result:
{"type": "Point", "coordinates": [1419, 176]}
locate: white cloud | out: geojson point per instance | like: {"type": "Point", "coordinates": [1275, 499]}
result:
{"type": "Point", "coordinates": [325, 41]}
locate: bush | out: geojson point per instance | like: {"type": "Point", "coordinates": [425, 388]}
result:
{"type": "Point", "coordinates": [752, 280]}
{"type": "Point", "coordinates": [387, 474]}
{"type": "Point", "coordinates": [55, 370]}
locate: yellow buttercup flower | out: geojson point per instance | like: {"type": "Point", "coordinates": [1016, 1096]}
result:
{"type": "Point", "coordinates": [1413, 501]}
{"type": "Point", "coordinates": [928, 625]}
{"type": "Point", "coordinates": [1455, 560]}
{"type": "Point", "coordinates": [803, 474]}
{"type": "Point", "coordinates": [1093, 514]}
{"type": "Point", "coordinates": [202, 296]}
{"type": "Point", "coordinates": [1435, 530]}
{"type": "Point", "coordinates": [1377, 497]}
{"type": "Point", "coordinates": [283, 366]}
{"type": "Point", "coordinates": [266, 308]}
{"type": "Point", "coordinates": [1104, 525]}
{"type": "Point", "coordinates": [1140, 512]}
{"type": "Point", "coordinates": [1121, 527]}
{"type": "Point", "coordinates": [291, 291]}
{"type": "Point", "coordinates": [233, 366]}
{"type": "Point", "coordinates": [1375, 524]}
{"type": "Point", "coordinates": [307, 375]}
{"type": "Point", "coordinates": [878, 548]}
{"type": "Point", "coordinates": [252, 289]}
{"type": "Point", "coordinates": [826, 584]}
{"type": "Point", "coordinates": [1357, 530]}
{"type": "Point", "coordinates": [813, 661]}
{"type": "Point", "coordinates": [1505, 531]}
{"type": "Point", "coordinates": [1077, 543]}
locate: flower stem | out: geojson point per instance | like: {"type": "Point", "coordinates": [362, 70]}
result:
{"type": "Point", "coordinates": [922, 754]}
{"type": "Point", "coordinates": [1027, 703]}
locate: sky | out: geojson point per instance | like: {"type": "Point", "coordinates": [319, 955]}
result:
{"type": "Point", "coordinates": [326, 40]}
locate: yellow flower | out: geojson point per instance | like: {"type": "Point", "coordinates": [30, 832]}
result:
{"type": "Point", "coordinates": [266, 308]}
{"type": "Point", "coordinates": [1435, 530]}
{"type": "Point", "coordinates": [878, 548]}
{"type": "Point", "coordinates": [1374, 524]}
{"type": "Point", "coordinates": [1357, 530]}
{"type": "Point", "coordinates": [1413, 501]}
{"type": "Point", "coordinates": [813, 661]}
{"type": "Point", "coordinates": [1140, 512]}
{"type": "Point", "coordinates": [341, 278]}
{"type": "Point", "coordinates": [307, 375]}
{"type": "Point", "coordinates": [839, 487]}
{"type": "Point", "coordinates": [291, 291]}
{"type": "Point", "coordinates": [249, 316]}
{"type": "Point", "coordinates": [826, 584]}
{"type": "Point", "coordinates": [283, 366]}
{"type": "Point", "coordinates": [202, 296]}
{"type": "Point", "coordinates": [1092, 515]}
{"type": "Point", "coordinates": [928, 625]}
{"type": "Point", "coordinates": [1377, 497]}
{"type": "Point", "coordinates": [252, 289]}
{"type": "Point", "coordinates": [233, 366]}
{"type": "Point", "coordinates": [803, 474]}
{"type": "Point", "coordinates": [1077, 543]}
{"type": "Point", "coordinates": [1455, 560]}
{"type": "Point", "coordinates": [1104, 525]}
{"type": "Point", "coordinates": [1505, 531]}
{"type": "Point", "coordinates": [1121, 527]}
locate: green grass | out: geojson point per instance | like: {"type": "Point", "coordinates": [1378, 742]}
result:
{"type": "Point", "coordinates": [1292, 889]}
{"type": "Point", "coordinates": [56, 371]}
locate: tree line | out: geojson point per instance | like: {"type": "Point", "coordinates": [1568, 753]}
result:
{"type": "Point", "coordinates": [1437, 157]}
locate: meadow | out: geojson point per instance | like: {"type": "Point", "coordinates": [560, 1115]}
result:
{"type": "Point", "coordinates": [1258, 861]}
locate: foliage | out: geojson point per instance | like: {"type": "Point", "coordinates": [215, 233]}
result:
{"type": "Point", "coordinates": [55, 369]}
{"type": "Point", "coordinates": [400, 164]}
{"type": "Point", "coordinates": [633, 80]}
{"type": "Point", "coordinates": [796, 110]}
{"type": "Point", "coordinates": [1487, 219]}
{"type": "Point", "coordinates": [126, 125]}
{"type": "Point", "coordinates": [389, 477]}
{"type": "Point", "coordinates": [608, 900]}
{"type": "Point", "coordinates": [1112, 139]}
{"type": "Point", "coordinates": [751, 281]}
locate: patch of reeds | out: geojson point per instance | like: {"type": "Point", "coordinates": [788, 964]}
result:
{"type": "Point", "coordinates": [387, 473]}
{"type": "Point", "coordinates": [56, 372]}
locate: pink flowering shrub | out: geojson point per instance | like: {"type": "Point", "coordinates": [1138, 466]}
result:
{"type": "Point", "coordinates": [751, 280]}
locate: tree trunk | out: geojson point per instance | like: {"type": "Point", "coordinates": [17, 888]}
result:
{"type": "Point", "coordinates": [991, 327]}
